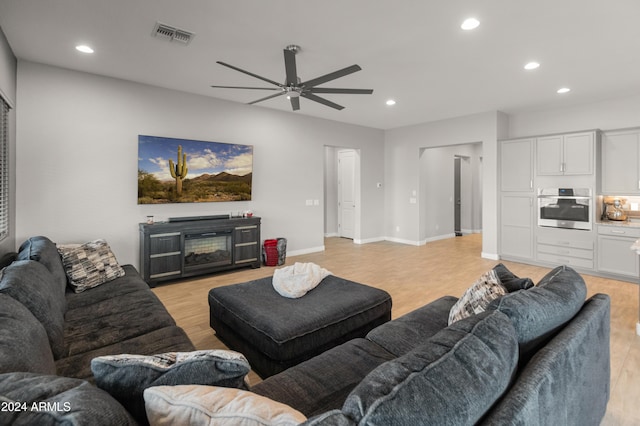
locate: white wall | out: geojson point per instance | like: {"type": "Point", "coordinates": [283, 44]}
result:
{"type": "Point", "coordinates": [605, 115]}
{"type": "Point", "coordinates": [77, 159]}
{"type": "Point", "coordinates": [8, 84]}
{"type": "Point", "coordinates": [402, 172]}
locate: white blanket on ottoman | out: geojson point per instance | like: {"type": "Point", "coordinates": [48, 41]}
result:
{"type": "Point", "coordinates": [295, 281]}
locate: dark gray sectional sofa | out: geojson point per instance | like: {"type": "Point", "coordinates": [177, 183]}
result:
{"type": "Point", "coordinates": [537, 356]}
{"type": "Point", "coordinates": [49, 334]}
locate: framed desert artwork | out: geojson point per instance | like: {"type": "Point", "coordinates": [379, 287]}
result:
{"type": "Point", "coordinates": [174, 170]}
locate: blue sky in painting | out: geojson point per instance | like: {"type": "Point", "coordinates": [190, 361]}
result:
{"type": "Point", "coordinates": [202, 157]}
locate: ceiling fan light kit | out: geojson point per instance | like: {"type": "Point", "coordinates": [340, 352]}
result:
{"type": "Point", "coordinates": [294, 88]}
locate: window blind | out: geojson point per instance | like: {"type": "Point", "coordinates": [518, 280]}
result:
{"type": "Point", "coordinates": [4, 169]}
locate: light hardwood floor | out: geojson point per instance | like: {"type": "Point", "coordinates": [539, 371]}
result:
{"type": "Point", "coordinates": [415, 276]}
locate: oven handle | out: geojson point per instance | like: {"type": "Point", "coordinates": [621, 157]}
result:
{"type": "Point", "coordinates": [565, 197]}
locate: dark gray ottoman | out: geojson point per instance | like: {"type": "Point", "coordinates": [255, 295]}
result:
{"type": "Point", "coordinates": [275, 332]}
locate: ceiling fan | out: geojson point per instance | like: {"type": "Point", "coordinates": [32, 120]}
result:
{"type": "Point", "coordinates": [293, 87]}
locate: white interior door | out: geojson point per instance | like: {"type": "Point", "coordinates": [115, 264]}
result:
{"type": "Point", "coordinates": [346, 193]}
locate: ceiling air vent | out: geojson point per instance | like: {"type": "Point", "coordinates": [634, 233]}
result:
{"type": "Point", "coordinates": [167, 32]}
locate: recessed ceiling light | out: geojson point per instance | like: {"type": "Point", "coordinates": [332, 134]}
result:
{"type": "Point", "coordinates": [390, 102]}
{"type": "Point", "coordinates": [563, 90]}
{"type": "Point", "coordinates": [532, 66]}
{"type": "Point", "coordinates": [84, 48]}
{"type": "Point", "coordinates": [470, 24]}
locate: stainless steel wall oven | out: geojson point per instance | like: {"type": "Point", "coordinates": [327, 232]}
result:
{"type": "Point", "coordinates": [565, 208]}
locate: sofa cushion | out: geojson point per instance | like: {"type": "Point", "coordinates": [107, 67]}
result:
{"type": "Point", "coordinates": [511, 281]}
{"type": "Point", "coordinates": [454, 378]}
{"type": "Point", "coordinates": [477, 297]}
{"type": "Point", "coordinates": [24, 345]}
{"type": "Point", "coordinates": [130, 282]}
{"type": "Point", "coordinates": [324, 382]}
{"type": "Point", "coordinates": [89, 265]}
{"type": "Point", "coordinates": [126, 376]}
{"type": "Point", "coordinates": [330, 418]}
{"type": "Point", "coordinates": [43, 250]}
{"type": "Point", "coordinates": [29, 282]}
{"type": "Point", "coordinates": [209, 405]}
{"type": "Point", "coordinates": [410, 330]}
{"type": "Point", "coordinates": [539, 312]}
{"type": "Point", "coordinates": [167, 339]}
{"type": "Point", "coordinates": [54, 400]}
{"type": "Point", "coordinates": [113, 320]}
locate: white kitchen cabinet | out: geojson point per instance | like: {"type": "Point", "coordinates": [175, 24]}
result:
{"type": "Point", "coordinates": [517, 198]}
{"type": "Point", "coordinates": [516, 226]}
{"type": "Point", "coordinates": [568, 154]}
{"type": "Point", "coordinates": [516, 165]}
{"type": "Point", "coordinates": [571, 247]}
{"type": "Point", "coordinates": [614, 250]}
{"type": "Point", "coordinates": [620, 156]}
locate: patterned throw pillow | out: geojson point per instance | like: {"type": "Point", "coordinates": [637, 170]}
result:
{"type": "Point", "coordinates": [477, 297]}
{"type": "Point", "coordinates": [126, 376]}
{"type": "Point", "coordinates": [89, 265]}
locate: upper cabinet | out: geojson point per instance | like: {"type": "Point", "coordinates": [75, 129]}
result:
{"type": "Point", "coordinates": [569, 154]}
{"type": "Point", "coordinates": [621, 162]}
{"type": "Point", "coordinates": [516, 165]}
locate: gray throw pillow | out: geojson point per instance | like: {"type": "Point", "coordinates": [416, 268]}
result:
{"type": "Point", "coordinates": [58, 401]}
{"type": "Point", "coordinates": [24, 345]}
{"type": "Point", "coordinates": [126, 376]}
{"type": "Point", "coordinates": [453, 378]}
{"type": "Point", "coordinates": [29, 282]}
{"type": "Point", "coordinates": [511, 281]}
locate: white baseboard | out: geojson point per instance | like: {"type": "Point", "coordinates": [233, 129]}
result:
{"type": "Point", "coordinates": [437, 238]}
{"type": "Point", "coordinates": [305, 251]}
{"type": "Point", "coordinates": [491, 256]}
{"type": "Point", "coordinates": [403, 241]}
{"type": "Point", "coordinates": [369, 240]}
{"type": "Point", "coordinates": [331, 234]}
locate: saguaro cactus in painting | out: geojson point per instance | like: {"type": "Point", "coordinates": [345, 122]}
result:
{"type": "Point", "coordinates": [179, 171]}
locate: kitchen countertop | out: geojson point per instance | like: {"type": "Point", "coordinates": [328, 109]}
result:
{"type": "Point", "coordinates": [632, 222]}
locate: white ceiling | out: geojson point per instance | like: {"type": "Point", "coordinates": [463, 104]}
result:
{"type": "Point", "coordinates": [410, 50]}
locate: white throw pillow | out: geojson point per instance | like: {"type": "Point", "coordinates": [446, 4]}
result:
{"type": "Point", "coordinates": [477, 297]}
{"type": "Point", "coordinates": [211, 405]}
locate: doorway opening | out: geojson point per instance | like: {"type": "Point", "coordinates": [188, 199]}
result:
{"type": "Point", "coordinates": [450, 191]}
{"type": "Point", "coordinates": [342, 193]}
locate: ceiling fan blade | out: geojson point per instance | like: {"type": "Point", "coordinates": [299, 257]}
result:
{"type": "Point", "coordinates": [290, 67]}
{"type": "Point", "coordinates": [243, 87]}
{"type": "Point", "coordinates": [323, 101]}
{"type": "Point", "coordinates": [266, 98]}
{"type": "Point", "coordinates": [295, 103]}
{"type": "Point", "coordinates": [346, 91]}
{"type": "Point", "coordinates": [249, 73]}
{"type": "Point", "coordinates": [331, 76]}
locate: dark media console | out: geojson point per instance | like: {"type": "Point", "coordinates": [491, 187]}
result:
{"type": "Point", "coordinates": [185, 247]}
